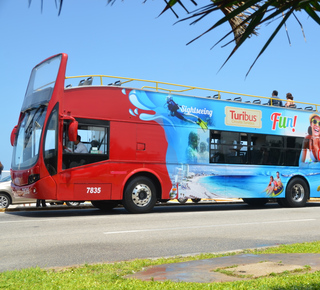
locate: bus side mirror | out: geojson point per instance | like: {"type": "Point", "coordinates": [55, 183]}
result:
{"type": "Point", "coordinates": [73, 131]}
{"type": "Point", "coordinates": [13, 135]}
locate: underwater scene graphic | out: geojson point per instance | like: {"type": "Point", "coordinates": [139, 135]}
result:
{"type": "Point", "coordinates": [187, 123]}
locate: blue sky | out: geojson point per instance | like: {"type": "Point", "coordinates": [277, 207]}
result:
{"type": "Point", "coordinates": [127, 39]}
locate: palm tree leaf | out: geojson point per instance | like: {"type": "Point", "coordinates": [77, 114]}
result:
{"type": "Point", "coordinates": [259, 15]}
{"type": "Point", "coordinates": [60, 7]}
{"type": "Point", "coordinates": [312, 14]}
{"type": "Point", "coordinates": [170, 5]}
{"type": "Point", "coordinates": [217, 6]}
{"type": "Point", "coordinates": [227, 18]}
{"type": "Point", "coordinates": [272, 37]}
{"type": "Point", "coordinates": [247, 33]}
{"type": "Point", "coordinates": [316, 5]}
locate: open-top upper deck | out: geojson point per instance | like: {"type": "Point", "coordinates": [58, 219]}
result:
{"type": "Point", "coordinates": [170, 88]}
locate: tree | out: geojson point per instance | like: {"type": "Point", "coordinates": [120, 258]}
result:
{"type": "Point", "coordinates": [245, 17]}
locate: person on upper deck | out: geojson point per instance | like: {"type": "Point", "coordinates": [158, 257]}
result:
{"type": "Point", "coordinates": [275, 101]}
{"type": "Point", "coordinates": [289, 103]}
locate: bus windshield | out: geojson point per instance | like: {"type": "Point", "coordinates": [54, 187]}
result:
{"type": "Point", "coordinates": [41, 83]}
{"type": "Point", "coordinates": [26, 149]}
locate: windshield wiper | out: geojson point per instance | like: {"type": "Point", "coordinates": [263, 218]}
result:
{"type": "Point", "coordinates": [30, 125]}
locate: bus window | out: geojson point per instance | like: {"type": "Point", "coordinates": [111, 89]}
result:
{"type": "Point", "coordinates": [94, 136]}
{"type": "Point", "coordinates": [228, 147]}
{"type": "Point", "coordinates": [259, 149]}
{"type": "Point", "coordinates": [51, 143]}
{"type": "Point", "coordinates": [276, 145]}
{"type": "Point", "coordinates": [294, 145]}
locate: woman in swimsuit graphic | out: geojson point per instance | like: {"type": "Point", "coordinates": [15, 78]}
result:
{"type": "Point", "coordinates": [270, 187]}
{"type": "Point", "coordinates": [311, 144]}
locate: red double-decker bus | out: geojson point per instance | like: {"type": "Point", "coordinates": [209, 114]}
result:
{"type": "Point", "coordinates": [114, 144]}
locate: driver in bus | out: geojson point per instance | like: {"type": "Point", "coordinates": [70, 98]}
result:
{"type": "Point", "coordinates": [79, 148]}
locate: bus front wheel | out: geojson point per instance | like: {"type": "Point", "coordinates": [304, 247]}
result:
{"type": "Point", "coordinates": [297, 193]}
{"type": "Point", "coordinates": [139, 195]}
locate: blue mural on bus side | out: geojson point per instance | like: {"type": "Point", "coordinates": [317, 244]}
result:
{"type": "Point", "coordinates": [187, 123]}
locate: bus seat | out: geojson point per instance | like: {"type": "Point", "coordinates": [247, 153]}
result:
{"type": "Point", "coordinates": [81, 82]}
{"type": "Point", "coordinates": [248, 102]}
{"type": "Point", "coordinates": [309, 108]}
{"type": "Point", "coordinates": [238, 99]}
{"type": "Point", "coordinates": [257, 101]}
{"type": "Point", "coordinates": [88, 81]}
{"type": "Point", "coordinates": [95, 145]}
{"type": "Point", "coordinates": [116, 83]}
{"type": "Point", "coordinates": [69, 86]}
{"type": "Point", "coordinates": [213, 97]}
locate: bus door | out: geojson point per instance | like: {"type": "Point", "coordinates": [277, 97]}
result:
{"type": "Point", "coordinates": [78, 180]}
{"type": "Point", "coordinates": [50, 153]}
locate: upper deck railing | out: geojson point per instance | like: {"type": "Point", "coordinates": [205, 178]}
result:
{"type": "Point", "coordinates": [157, 86]}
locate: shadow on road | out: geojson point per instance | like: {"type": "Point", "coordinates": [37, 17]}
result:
{"type": "Point", "coordinates": [159, 209]}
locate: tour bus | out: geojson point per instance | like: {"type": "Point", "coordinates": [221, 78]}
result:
{"type": "Point", "coordinates": [146, 142]}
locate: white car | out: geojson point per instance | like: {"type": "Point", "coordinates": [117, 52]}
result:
{"type": "Point", "coordinates": [7, 197]}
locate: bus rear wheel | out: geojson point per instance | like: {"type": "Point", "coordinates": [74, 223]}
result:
{"type": "Point", "coordinates": [139, 195]}
{"type": "Point", "coordinates": [104, 205]}
{"type": "Point", "coordinates": [297, 193]}
{"type": "Point", "coordinates": [255, 201]}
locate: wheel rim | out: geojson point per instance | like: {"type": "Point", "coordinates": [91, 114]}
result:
{"type": "Point", "coordinates": [73, 203]}
{"type": "Point", "coordinates": [141, 195]}
{"type": "Point", "coordinates": [4, 202]}
{"type": "Point", "coordinates": [182, 199]}
{"type": "Point", "coordinates": [297, 193]}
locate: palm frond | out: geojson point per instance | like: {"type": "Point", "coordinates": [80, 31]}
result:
{"type": "Point", "coordinates": [245, 17]}
{"type": "Point", "coordinates": [271, 38]}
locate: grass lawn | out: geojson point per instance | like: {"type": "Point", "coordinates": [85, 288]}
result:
{"type": "Point", "coordinates": [111, 276]}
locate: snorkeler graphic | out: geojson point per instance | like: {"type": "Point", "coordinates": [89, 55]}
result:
{"type": "Point", "coordinates": [174, 110]}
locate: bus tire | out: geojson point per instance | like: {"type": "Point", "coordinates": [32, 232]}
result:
{"type": "Point", "coordinates": [73, 203]}
{"type": "Point", "coordinates": [256, 201]}
{"type": "Point", "coordinates": [297, 193]}
{"type": "Point", "coordinates": [282, 202]}
{"type": "Point", "coordinates": [104, 205]}
{"type": "Point", "coordinates": [140, 195]}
